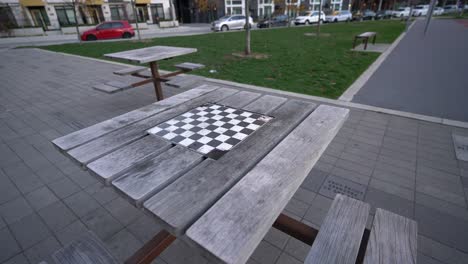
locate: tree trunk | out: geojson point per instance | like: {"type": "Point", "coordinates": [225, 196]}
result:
{"type": "Point", "coordinates": [136, 18]}
{"type": "Point", "coordinates": [319, 18]}
{"type": "Point", "coordinates": [76, 21]}
{"type": "Point", "coordinates": [247, 28]}
{"type": "Point", "coordinates": [380, 5]}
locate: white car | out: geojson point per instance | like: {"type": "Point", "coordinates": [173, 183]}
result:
{"type": "Point", "coordinates": [402, 12]}
{"type": "Point", "coordinates": [309, 17]}
{"type": "Point", "coordinates": [438, 11]}
{"type": "Point", "coordinates": [451, 9]}
{"type": "Point", "coordinates": [339, 16]}
{"type": "Point", "coordinates": [420, 10]}
{"type": "Point", "coordinates": [230, 22]}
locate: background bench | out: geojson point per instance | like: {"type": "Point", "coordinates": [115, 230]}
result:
{"type": "Point", "coordinates": [365, 38]}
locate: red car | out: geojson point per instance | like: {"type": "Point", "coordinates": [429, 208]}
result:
{"type": "Point", "coordinates": [109, 30]}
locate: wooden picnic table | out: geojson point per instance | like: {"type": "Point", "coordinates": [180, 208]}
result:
{"type": "Point", "coordinates": [215, 166]}
{"type": "Point", "coordinates": [152, 55]}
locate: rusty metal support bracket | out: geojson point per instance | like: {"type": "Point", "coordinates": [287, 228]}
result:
{"type": "Point", "coordinates": [152, 249]}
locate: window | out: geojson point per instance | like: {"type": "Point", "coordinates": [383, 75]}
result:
{"type": "Point", "coordinates": [236, 10]}
{"type": "Point", "coordinates": [237, 2]}
{"type": "Point", "coordinates": [65, 15]}
{"type": "Point", "coordinates": [104, 26]}
{"type": "Point", "coordinates": [117, 25]}
{"type": "Point", "coordinates": [118, 12]}
{"type": "Point", "coordinates": [268, 11]}
{"type": "Point", "coordinates": [157, 11]}
{"type": "Point", "coordinates": [6, 17]}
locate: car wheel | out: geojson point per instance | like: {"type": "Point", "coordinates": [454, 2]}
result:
{"type": "Point", "coordinates": [126, 35]}
{"type": "Point", "coordinates": [91, 38]}
{"type": "Point", "coordinates": [307, 22]}
{"type": "Point", "coordinates": [224, 28]}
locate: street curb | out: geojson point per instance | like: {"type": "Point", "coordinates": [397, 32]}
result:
{"type": "Point", "coordinates": [437, 120]}
{"type": "Point", "coordinates": [361, 80]}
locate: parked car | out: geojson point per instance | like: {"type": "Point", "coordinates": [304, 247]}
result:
{"type": "Point", "coordinates": [339, 16]}
{"type": "Point", "coordinates": [451, 9]}
{"type": "Point", "coordinates": [309, 17]}
{"type": "Point", "coordinates": [230, 22]}
{"type": "Point", "coordinates": [384, 14]}
{"type": "Point", "coordinates": [364, 15]}
{"type": "Point", "coordinates": [109, 30]}
{"type": "Point", "coordinates": [276, 21]}
{"type": "Point", "coordinates": [420, 10]}
{"type": "Point", "coordinates": [402, 12]}
{"type": "Point", "coordinates": [438, 11]}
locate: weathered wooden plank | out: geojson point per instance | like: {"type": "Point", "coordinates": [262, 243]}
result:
{"type": "Point", "coordinates": [240, 99]}
{"type": "Point", "coordinates": [85, 135]}
{"type": "Point", "coordinates": [117, 138]}
{"type": "Point", "coordinates": [183, 80]}
{"type": "Point", "coordinates": [393, 239]}
{"type": "Point", "coordinates": [106, 88]}
{"type": "Point", "coordinates": [130, 70]}
{"type": "Point", "coordinates": [85, 250]}
{"type": "Point", "coordinates": [341, 233]}
{"type": "Point", "coordinates": [115, 163]}
{"type": "Point", "coordinates": [189, 66]}
{"type": "Point", "coordinates": [150, 176]}
{"type": "Point", "coordinates": [182, 202]}
{"type": "Point", "coordinates": [232, 228]}
{"type": "Point", "coordinates": [119, 84]}
{"type": "Point", "coordinates": [150, 54]}
{"type": "Point", "coordinates": [266, 102]}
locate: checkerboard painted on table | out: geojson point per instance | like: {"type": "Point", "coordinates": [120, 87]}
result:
{"type": "Point", "coordinates": [210, 129]}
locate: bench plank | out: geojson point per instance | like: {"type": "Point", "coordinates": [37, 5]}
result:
{"type": "Point", "coordinates": [182, 202]}
{"type": "Point", "coordinates": [189, 66]}
{"type": "Point", "coordinates": [393, 239]}
{"type": "Point", "coordinates": [119, 84]}
{"type": "Point", "coordinates": [87, 134]}
{"type": "Point", "coordinates": [266, 102]}
{"type": "Point", "coordinates": [130, 70]}
{"type": "Point", "coordinates": [181, 81]}
{"type": "Point", "coordinates": [236, 224]}
{"type": "Point", "coordinates": [85, 250]}
{"type": "Point", "coordinates": [240, 99]}
{"type": "Point", "coordinates": [117, 138]}
{"type": "Point", "coordinates": [106, 88]}
{"type": "Point", "coordinates": [367, 34]}
{"type": "Point", "coordinates": [341, 233]}
{"type": "Point", "coordinates": [150, 176]}
{"type": "Point", "coordinates": [113, 164]}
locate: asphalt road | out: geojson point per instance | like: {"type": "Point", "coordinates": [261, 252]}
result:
{"type": "Point", "coordinates": [425, 74]}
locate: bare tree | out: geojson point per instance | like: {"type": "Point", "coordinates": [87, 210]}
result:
{"type": "Point", "coordinates": [76, 20]}
{"type": "Point", "coordinates": [247, 28]}
{"type": "Point", "coordinates": [319, 18]}
{"type": "Point", "coordinates": [132, 2]}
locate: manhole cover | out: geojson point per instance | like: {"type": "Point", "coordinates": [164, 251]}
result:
{"type": "Point", "coordinates": [461, 147]}
{"type": "Point", "coordinates": [334, 185]}
{"type": "Point", "coordinates": [210, 129]}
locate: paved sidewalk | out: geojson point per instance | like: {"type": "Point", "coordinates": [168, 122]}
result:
{"type": "Point", "coordinates": [424, 74]}
{"type": "Point", "coordinates": [402, 165]}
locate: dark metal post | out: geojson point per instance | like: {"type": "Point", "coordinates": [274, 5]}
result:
{"type": "Point", "coordinates": [156, 80]}
{"type": "Point", "coordinates": [429, 15]}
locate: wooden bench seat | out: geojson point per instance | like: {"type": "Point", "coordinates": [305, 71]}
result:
{"type": "Point", "coordinates": [88, 249]}
{"type": "Point", "coordinates": [130, 70]}
{"type": "Point", "coordinates": [189, 66]}
{"type": "Point", "coordinates": [392, 238]}
{"type": "Point", "coordinates": [365, 37]}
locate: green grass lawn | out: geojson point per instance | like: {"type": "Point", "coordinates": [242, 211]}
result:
{"type": "Point", "coordinates": [322, 66]}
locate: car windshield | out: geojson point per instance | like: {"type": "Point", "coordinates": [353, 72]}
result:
{"type": "Point", "coordinates": [418, 7]}
{"type": "Point", "coordinates": [225, 18]}
{"type": "Point", "coordinates": [401, 9]}
{"type": "Point", "coordinates": [305, 13]}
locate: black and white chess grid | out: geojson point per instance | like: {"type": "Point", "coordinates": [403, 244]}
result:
{"type": "Point", "coordinates": [210, 129]}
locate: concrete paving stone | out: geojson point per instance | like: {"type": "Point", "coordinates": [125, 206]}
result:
{"type": "Point", "coordinates": [284, 258]}
{"type": "Point", "coordinates": [297, 249]}
{"type": "Point", "coordinates": [410, 165]}
{"type": "Point", "coordinates": [102, 223]}
{"type": "Point", "coordinates": [390, 188]}
{"type": "Point", "coordinates": [358, 159]}
{"type": "Point", "coordinates": [2, 223]}
{"type": "Point", "coordinates": [353, 166]}
{"type": "Point", "coordinates": [452, 184]}
{"type": "Point", "coordinates": [50, 174]}
{"type": "Point", "coordinates": [403, 143]}
{"type": "Point", "coordinates": [314, 180]}
{"type": "Point", "coordinates": [29, 231]}
{"type": "Point", "coordinates": [41, 198]}
{"type": "Point", "coordinates": [8, 190]}
{"type": "Point", "coordinates": [123, 245]}
{"type": "Point", "coordinates": [9, 247]}
{"type": "Point", "coordinates": [179, 252]}
{"type": "Point", "coordinates": [439, 165]}
{"type": "Point", "coordinates": [372, 141]}
{"type": "Point", "coordinates": [276, 238]}
{"type": "Point", "coordinates": [353, 146]}
{"type": "Point", "coordinates": [7, 156]}
{"type": "Point", "coordinates": [266, 253]}
{"type": "Point", "coordinates": [334, 185]}
{"type": "Point", "coordinates": [81, 203]}
{"type": "Point", "coordinates": [445, 195]}
{"type": "Point", "coordinates": [101, 193]}
{"type": "Point", "coordinates": [123, 211]}
{"type": "Point", "coordinates": [57, 216]}
{"type": "Point", "coordinates": [71, 232]}
{"type": "Point", "coordinates": [328, 159]}
{"type": "Point", "coordinates": [389, 202]}
{"type": "Point", "coordinates": [343, 139]}
{"type": "Point", "coordinates": [23, 177]}
{"type": "Point", "coordinates": [359, 153]}
{"type": "Point", "coordinates": [350, 175]}
{"type": "Point", "coordinates": [297, 207]}
{"type": "Point", "coordinates": [18, 259]}
{"type": "Point", "coordinates": [43, 250]}
{"type": "Point", "coordinates": [82, 178]}
{"type": "Point", "coordinates": [371, 136]}
{"type": "Point", "coordinates": [398, 154]}
{"type": "Point", "coordinates": [446, 151]}
{"type": "Point", "coordinates": [436, 143]}
{"type": "Point", "coordinates": [440, 252]}
{"type": "Point", "coordinates": [373, 131]}
{"type": "Point", "coordinates": [446, 229]}
{"type": "Point", "coordinates": [442, 206]}
{"type": "Point", "coordinates": [403, 172]}
{"type": "Point", "coordinates": [428, 172]}
{"type": "Point", "coordinates": [15, 210]}
{"type": "Point", "coordinates": [64, 187]}
{"type": "Point", "coordinates": [423, 259]}
{"type": "Point", "coordinates": [304, 195]}
{"type": "Point", "coordinates": [318, 210]}
{"type": "Point", "coordinates": [402, 181]}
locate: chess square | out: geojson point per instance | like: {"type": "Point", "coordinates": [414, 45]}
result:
{"type": "Point", "coordinates": [210, 129]}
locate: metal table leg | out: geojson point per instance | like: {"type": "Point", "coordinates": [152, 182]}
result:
{"type": "Point", "coordinates": [152, 249]}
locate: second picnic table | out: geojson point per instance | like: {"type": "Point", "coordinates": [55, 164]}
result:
{"type": "Point", "coordinates": [152, 55]}
{"type": "Point", "coordinates": [215, 166]}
